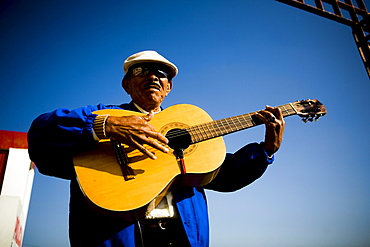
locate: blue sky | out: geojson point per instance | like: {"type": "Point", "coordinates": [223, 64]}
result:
{"type": "Point", "coordinates": [234, 57]}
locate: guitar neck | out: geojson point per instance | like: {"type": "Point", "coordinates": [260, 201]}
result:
{"type": "Point", "coordinates": [229, 125]}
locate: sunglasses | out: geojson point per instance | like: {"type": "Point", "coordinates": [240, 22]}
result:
{"type": "Point", "coordinates": [146, 70]}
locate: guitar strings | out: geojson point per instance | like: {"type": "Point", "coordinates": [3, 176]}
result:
{"type": "Point", "coordinates": [207, 130]}
{"type": "Point", "coordinates": [216, 128]}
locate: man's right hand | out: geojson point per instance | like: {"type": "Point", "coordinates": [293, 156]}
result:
{"type": "Point", "coordinates": [136, 131]}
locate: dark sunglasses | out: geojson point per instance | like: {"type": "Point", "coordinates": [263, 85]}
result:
{"type": "Point", "coordinates": [146, 70]}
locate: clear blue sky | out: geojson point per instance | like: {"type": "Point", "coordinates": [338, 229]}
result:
{"type": "Point", "coordinates": [234, 57]}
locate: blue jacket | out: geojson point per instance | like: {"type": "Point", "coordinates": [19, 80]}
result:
{"type": "Point", "coordinates": [55, 137]}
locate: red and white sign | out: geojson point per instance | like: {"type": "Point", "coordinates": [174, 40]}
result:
{"type": "Point", "coordinates": [18, 233]}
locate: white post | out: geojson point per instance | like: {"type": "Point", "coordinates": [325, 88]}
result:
{"type": "Point", "coordinates": [15, 197]}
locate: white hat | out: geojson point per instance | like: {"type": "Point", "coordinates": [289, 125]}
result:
{"type": "Point", "coordinates": [151, 57]}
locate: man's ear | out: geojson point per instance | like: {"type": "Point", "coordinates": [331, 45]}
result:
{"type": "Point", "coordinates": [169, 87]}
{"type": "Point", "coordinates": [125, 85]}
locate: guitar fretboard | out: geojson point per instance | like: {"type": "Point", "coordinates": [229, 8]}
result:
{"type": "Point", "coordinates": [229, 125]}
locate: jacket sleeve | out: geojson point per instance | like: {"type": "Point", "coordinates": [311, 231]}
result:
{"type": "Point", "coordinates": [55, 137]}
{"type": "Point", "coordinates": [241, 168]}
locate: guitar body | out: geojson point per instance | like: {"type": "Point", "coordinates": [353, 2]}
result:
{"type": "Point", "coordinates": [103, 181]}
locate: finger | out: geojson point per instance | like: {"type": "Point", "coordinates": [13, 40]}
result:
{"type": "Point", "coordinates": [145, 151]}
{"type": "Point", "coordinates": [266, 116]}
{"type": "Point", "coordinates": [152, 139]}
{"type": "Point", "coordinates": [156, 145]}
{"type": "Point", "coordinates": [276, 111]}
{"type": "Point", "coordinates": [261, 117]}
{"type": "Point", "coordinates": [158, 136]}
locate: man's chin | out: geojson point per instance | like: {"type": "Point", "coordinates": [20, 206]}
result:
{"type": "Point", "coordinates": [151, 98]}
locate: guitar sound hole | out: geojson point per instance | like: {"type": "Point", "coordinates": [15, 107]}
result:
{"type": "Point", "coordinates": [178, 139]}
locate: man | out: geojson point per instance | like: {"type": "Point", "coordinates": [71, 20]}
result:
{"type": "Point", "coordinates": [181, 218]}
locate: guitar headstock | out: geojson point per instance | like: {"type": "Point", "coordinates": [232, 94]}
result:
{"type": "Point", "coordinates": [310, 110]}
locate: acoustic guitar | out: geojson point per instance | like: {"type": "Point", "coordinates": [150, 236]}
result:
{"type": "Point", "coordinates": [118, 178]}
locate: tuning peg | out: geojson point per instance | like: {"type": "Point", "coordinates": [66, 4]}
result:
{"type": "Point", "coordinates": [312, 118]}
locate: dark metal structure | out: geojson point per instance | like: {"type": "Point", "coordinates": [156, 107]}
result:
{"type": "Point", "coordinates": [348, 12]}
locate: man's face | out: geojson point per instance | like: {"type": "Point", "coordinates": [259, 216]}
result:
{"type": "Point", "coordinates": [147, 86]}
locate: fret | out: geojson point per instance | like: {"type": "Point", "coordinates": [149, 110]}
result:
{"type": "Point", "coordinates": [232, 123]}
{"type": "Point", "coordinates": [195, 137]}
{"type": "Point", "coordinates": [237, 123]}
{"type": "Point", "coordinates": [248, 119]}
{"type": "Point", "coordinates": [200, 133]}
{"type": "Point", "coordinates": [219, 129]}
{"type": "Point", "coordinates": [287, 110]}
{"type": "Point", "coordinates": [222, 124]}
{"type": "Point", "coordinates": [214, 129]}
{"type": "Point", "coordinates": [228, 125]}
{"type": "Point", "coordinates": [205, 131]}
{"type": "Point", "coordinates": [240, 122]}
{"type": "Point", "coordinates": [284, 110]}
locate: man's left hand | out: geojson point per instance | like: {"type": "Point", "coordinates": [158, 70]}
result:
{"type": "Point", "coordinates": [272, 117]}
